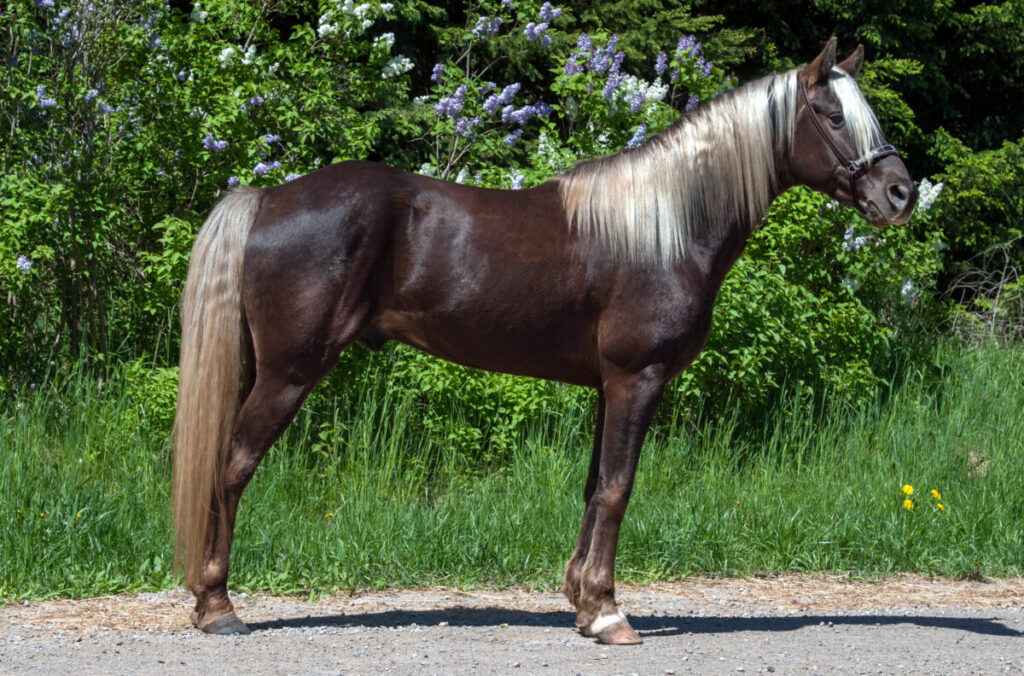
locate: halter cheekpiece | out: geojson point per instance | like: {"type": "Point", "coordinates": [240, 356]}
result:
{"type": "Point", "coordinates": [853, 168]}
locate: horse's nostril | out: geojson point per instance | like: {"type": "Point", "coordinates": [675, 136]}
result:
{"type": "Point", "coordinates": [899, 194]}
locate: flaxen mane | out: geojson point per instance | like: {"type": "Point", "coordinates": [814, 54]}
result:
{"type": "Point", "coordinates": [715, 166]}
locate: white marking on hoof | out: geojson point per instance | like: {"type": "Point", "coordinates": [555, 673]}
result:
{"type": "Point", "coordinates": [604, 621]}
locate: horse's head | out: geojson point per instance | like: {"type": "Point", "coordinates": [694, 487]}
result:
{"type": "Point", "coordinates": [837, 146]}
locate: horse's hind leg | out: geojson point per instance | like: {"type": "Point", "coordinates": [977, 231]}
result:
{"type": "Point", "coordinates": [284, 377]}
{"type": "Point", "coordinates": [267, 410]}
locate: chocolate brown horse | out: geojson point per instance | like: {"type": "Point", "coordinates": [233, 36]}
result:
{"type": "Point", "coordinates": [603, 277]}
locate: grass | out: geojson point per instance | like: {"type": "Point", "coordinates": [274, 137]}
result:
{"type": "Point", "coordinates": [84, 494]}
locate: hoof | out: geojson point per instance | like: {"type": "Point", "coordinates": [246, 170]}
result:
{"type": "Point", "coordinates": [619, 634]}
{"type": "Point", "coordinates": [226, 625]}
{"type": "Point", "coordinates": [612, 629]}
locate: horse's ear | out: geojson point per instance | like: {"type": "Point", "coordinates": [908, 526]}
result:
{"type": "Point", "coordinates": [852, 64]}
{"type": "Point", "coordinates": [818, 70]}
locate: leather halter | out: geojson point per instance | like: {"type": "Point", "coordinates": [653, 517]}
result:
{"type": "Point", "coordinates": [854, 169]}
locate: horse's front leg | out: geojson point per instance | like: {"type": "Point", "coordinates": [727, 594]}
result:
{"type": "Point", "coordinates": [630, 401]}
{"type": "Point", "coordinates": [571, 585]}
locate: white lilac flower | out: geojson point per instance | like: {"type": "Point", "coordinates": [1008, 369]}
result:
{"type": "Point", "coordinates": [462, 176]}
{"type": "Point", "coordinates": [250, 55]}
{"type": "Point", "coordinates": [517, 181]}
{"type": "Point", "coordinates": [850, 284]}
{"type": "Point", "coordinates": [385, 40]}
{"type": "Point", "coordinates": [227, 55]}
{"type": "Point", "coordinates": [24, 264]}
{"type": "Point", "coordinates": [44, 4]}
{"type": "Point", "coordinates": [232, 181]}
{"type": "Point", "coordinates": [291, 177]}
{"type": "Point", "coordinates": [198, 15]}
{"type": "Point", "coordinates": [106, 108]}
{"type": "Point", "coordinates": [427, 169]}
{"type": "Point", "coordinates": [326, 29]}
{"type": "Point", "coordinates": [272, 68]}
{"type": "Point", "coordinates": [909, 292]}
{"type": "Point", "coordinates": [927, 194]}
{"type": "Point", "coordinates": [386, 7]}
{"type": "Point", "coordinates": [638, 137]}
{"type": "Point", "coordinates": [511, 139]}
{"type": "Point", "coordinates": [398, 65]}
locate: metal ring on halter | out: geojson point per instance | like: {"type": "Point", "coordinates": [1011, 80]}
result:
{"type": "Point", "coordinates": [853, 168]}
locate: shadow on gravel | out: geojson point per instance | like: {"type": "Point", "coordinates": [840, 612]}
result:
{"type": "Point", "coordinates": [649, 626]}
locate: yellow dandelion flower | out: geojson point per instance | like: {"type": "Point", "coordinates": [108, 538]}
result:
{"type": "Point", "coordinates": [936, 494]}
{"type": "Point", "coordinates": [907, 489]}
{"type": "Point", "coordinates": [908, 504]}
{"type": "Point", "coordinates": [941, 507]}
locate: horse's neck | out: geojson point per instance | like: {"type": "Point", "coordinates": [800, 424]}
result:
{"type": "Point", "coordinates": [716, 250]}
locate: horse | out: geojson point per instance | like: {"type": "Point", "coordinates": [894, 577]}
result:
{"type": "Point", "coordinates": [603, 277]}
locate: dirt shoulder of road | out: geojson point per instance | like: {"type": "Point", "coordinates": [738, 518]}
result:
{"type": "Point", "coordinates": [783, 594]}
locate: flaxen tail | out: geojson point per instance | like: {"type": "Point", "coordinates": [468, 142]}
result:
{"type": "Point", "coordinates": [210, 373]}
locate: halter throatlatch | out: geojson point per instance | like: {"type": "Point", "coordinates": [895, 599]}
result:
{"type": "Point", "coordinates": [854, 169]}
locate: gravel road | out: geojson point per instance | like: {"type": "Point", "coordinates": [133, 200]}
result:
{"type": "Point", "coordinates": [782, 625]}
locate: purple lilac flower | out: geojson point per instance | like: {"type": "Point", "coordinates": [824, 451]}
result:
{"type": "Point", "coordinates": [571, 67]}
{"type": "Point", "coordinates": [182, 75]}
{"type": "Point", "coordinates": [155, 42]}
{"type": "Point", "coordinates": [487, 87]}
{"type": "Point", "coordinates": [63, 14]}
{"type": "Point", "coordinates": [291, 177]}
{"type": "Point", "coordinates": [549, 13]}
{"type": "Point", "coordinates": [541, 109]}
{"type": "Point", "coordinates": [232, 181]}
{"type": "Point", "coordinates": [638, 137]}
{"type": "Point", "coordinates": [90, 95]}
{"type": "Point", "coordinates": [692, 102]}
{"type": "Point", "coordinates": [437, 73]}
{"type": "Point", "coordinates": [510, 139]}
{"type": "Point", "coordinates": [451, 106]}
{"type": "Point", "coordinates": [704, 66]}
{"type": "Point", "coordinates": [491, 103]}
{"type": "Point", "coordinates": [487, 26]}
{"type": "Point", "coordinates": [24, 264]}
{"type": "Point", "coordinates": [256, 101]}
{"type": "Point", "coordinates": [636, 100]}
{"type": "Point", "coordinates": [106, 108]}
{"type": "Point", "coordinates": [42, 100]}
{"type": "Point", "coordinates": [271, 138]}
{"type": "Point", "coordinates": [210, 143]}
{"type": "Point", "coordinates": [464, 125]}
{"type": "Point", "coordinates": [508, 93]}
{"type": "Point", "coordinates": [661, 64]}
{"type": "Point", "coordinates": [611, 85]}
{"type": "Point", "coordinates": [535, 32]}
{"type": "Point", "coordinates": [521, 116]}
{"type": "Point", "coordinates": [688, 44]}
{"type": "Point", "coordinates": [44, 4]}
{"type": "Point", "coordinates": [506, 113]}
{"type": "Point", "coordinates": [264, 168]}
{"type": "Point", "coordinates": [584, 43]}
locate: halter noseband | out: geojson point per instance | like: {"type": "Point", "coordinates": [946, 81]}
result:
{"type": "Point", "coordinates": [854, 168]}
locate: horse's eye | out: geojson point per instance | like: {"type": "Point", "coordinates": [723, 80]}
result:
{"type": "Point", "coordinates": [836, 119]}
